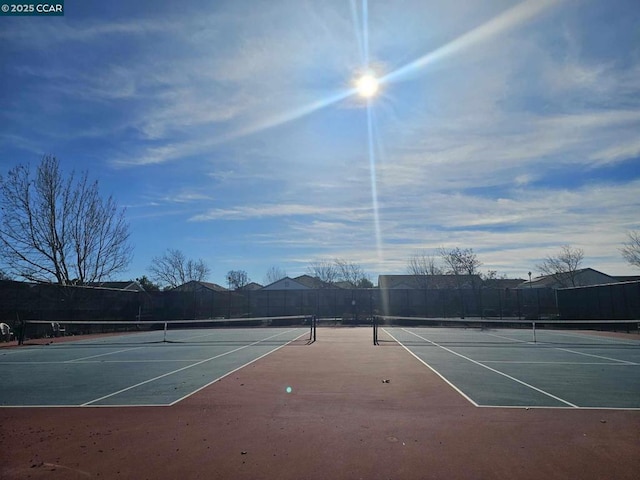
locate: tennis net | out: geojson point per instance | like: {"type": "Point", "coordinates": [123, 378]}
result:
{"type": "Point", "coordinates": [505, 331]}
{"type": "Point", "coordinates": [300, 328]}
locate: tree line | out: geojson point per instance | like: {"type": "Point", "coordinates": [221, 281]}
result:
{"type": "Point", "coordinates": [173, 269]}
{"type": "Point", "coordinates": [58, 228]}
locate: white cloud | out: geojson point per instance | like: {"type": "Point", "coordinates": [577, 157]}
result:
{"type": "Point", "coordinates": [43, 35]}
{"type": "Point", "coordinates": [620, 152]}
{"type": "Point", "coordinates": [274, 210]}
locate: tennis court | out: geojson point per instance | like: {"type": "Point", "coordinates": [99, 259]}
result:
{"type": "Point", "coordinates": [487, 363]}
{"type": "Point", "coordinates": [122, 366]}
{"type": "Point", "coordinates": [507, 367]}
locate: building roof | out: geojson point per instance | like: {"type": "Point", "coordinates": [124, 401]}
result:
{"type": "Point", "coordinates": [544, 281]}
{"type": "Point", "coordinates": [581, 277]}
{"type": "Point", "coordinates": [197, 285]}
{"type": "Point", "coordinates": [313, 282]}
{"type": "Point", "coordinates": [130, 285]}
{"type": "Point", "coordinates": [627, 278]}
{"type": "Point", "coordinates": [286, 283]}
{"type": "Point", "coordinates": [503, 282]}
{"type": "Point", "coordinates": [430, 281]}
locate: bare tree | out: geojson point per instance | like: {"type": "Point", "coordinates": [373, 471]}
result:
{"type": "Point", "coordinates": [237, 279]}
{"type": "Point", "coordinates": [564, 266]}
{"type": "Point", "coordinates": [274, 274]}
{"type": "Point", "coordinates": [173, 269]}
{"type": "Point", "coordinates": [324, 270]}
{"type": "Point", "coordinates": [59, 229]}
{"type": "Point", "coordinates": [492, 277]}
{"type": "Point", "coordinates": [460, 262]}
{"type": "Point", "coordinates": [364, 282]}
{"type": "Point", "coordinates": [422, 265]}
{"type": "Point", "coordinates": [631, 249]}
{"type": "Point", "coordinates": [147, 284]}
{"type": "Point", "coordinates": [464, 265]}
{"type": "Point", "coordinates": [351, 273]}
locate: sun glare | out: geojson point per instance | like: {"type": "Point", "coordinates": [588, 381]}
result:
{"type": "Point", "coordinates": [367, 85]}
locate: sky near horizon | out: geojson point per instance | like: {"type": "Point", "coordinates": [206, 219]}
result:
{"type": "Point", "coordinates": [231, 130]}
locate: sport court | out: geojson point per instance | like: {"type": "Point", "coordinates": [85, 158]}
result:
{"type": "Point", "coordinates": [134, 369]}
{"type": "Point", "coordinates": [494, 367]}
{"type": "Point", "coordinates": [488, 365]}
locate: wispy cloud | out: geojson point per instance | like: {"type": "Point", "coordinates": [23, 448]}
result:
{"type": "Point", "coordinates": [625, 150]}
{"type": "Point", "coordinates": [280, 210]}
{"type": "Point", "coordinates": [507, 128]}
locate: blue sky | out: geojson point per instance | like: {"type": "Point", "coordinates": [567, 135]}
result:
{"type": "Point", "coordinates": [230, 129]}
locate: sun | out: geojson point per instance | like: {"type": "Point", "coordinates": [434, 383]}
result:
{"type": "Point", "coordinates": [367, 85]}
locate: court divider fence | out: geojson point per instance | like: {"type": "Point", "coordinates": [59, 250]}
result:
{"type": "Point", "coordinates": [616, 301]}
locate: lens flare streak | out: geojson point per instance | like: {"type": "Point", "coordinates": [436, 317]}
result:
{"type": "Point", "coordinates": [500, 24]}
{"type": "Point", "coordinates": [374, 181]}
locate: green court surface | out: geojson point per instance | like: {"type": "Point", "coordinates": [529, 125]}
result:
{"type": "Point", "coordinates": [490, 368]}
{"type": "Point", "coordinates": [134, 369]}
{"type": "Point", "coordinates": [511, 368]}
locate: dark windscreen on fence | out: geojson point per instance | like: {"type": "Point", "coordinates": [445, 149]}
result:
{"type": "Point", "coordinates": [45, 302]}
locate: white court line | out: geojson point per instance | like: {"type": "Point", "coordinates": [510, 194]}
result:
{"type": "Point", "coordinates": [538, 407]}
{"type": "Point", "coordinates": [600, 338]}
{"type": "Point", "coordinates": [84, 362]}
{"type": "Point", "coordinates": [494, 370]}
{"type": "Point", "coordinates": [546, 345]}
{"type": "Point", "coordinates": [561, 363]}
{"type": "Point", "coordinates": [84, 359]}
{"type": "Point", "coordinates": [185, 368]}
{"type": "Point", "coordinates": [469, 399]}
{"type": "Point", "coordinates": [236, 369]}
{"type": "Point", "coordinates": [530, 342]}
{"type": "Point", "coordinates": [101, 355]}
{"type": "Point", "coordinates": [595, 356]}
{"type": "Point", "coordinates": [151, 360]}
{"type": "Point", "coordinates": [73, 405]}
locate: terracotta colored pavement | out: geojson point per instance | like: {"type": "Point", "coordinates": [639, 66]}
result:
{"type": "Point", "coordinates": [340, 421]}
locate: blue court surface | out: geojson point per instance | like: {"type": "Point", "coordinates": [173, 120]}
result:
{"type": "Point", "coordinates": [511, 368]}
{"type": "Point", "coordinates": [134, 369]}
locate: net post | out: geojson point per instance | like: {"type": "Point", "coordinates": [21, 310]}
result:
{"type": "Point", "coordinates": [534, 332]}
{"type": "Point", "coordinates": [375, 330]}
{"type": "Point", "coordinates": [312, 332]}
{"type": "Point", "coordinates": [164, 339]}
